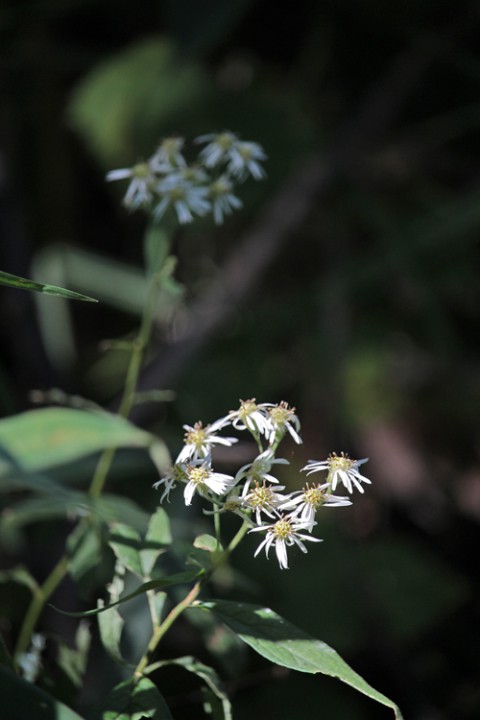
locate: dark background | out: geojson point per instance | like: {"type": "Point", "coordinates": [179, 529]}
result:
{"type": "Point", "coordinates": [351, 283]}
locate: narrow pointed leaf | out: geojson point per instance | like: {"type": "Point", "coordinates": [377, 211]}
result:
{"type": "Point", "coordinates": [20, 576]}
{"type": "Point", "coordinates": [22, 700]}
{"type": "Point", "coordinates": [84, 548]}
{"type": "Point", "coordinates": [284, 644]}
{"type": "Point", "coordinates": [135, 699]}
{"type": "Point", "coordinates": [125, 543]}
{"type": "Point", "coordinates": [25, 284]}
{"type": "Point", "coordinates": [73, 660]}
{"type": "Point", "coordinates": [157, 538]}
{"type": "Point", "coordinates": [73, 505]}
{"type": "Point", "coordinates": [206, 673]}
{"type": "Point", "coordinates": [157, 584]}
{"type": "Point", "coordinates": [39, 439]}
{"type": "Point", "coordinates": [111, 624]}
{"type": "Point", "coordinates": [5, 657]}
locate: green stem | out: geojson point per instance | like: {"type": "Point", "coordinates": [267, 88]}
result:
{"type": "Point", "coordinates": [160, 630]}
{"type": "Point", "coordinates": [133, 372]}
{"type": "Point", "coordinates": [37, 603]}
{"type": "Point", "coordinates": [217, 525]}
{"type": "Point", "coordinates": [45, 591]}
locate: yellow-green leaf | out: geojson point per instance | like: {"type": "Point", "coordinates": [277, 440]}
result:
{"type": "Point", "coordinates": [39, 439]}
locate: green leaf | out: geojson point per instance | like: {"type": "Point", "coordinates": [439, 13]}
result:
{"type": "Point", "coordinates": [73, 661]}
{"type": "Point", "coordinates": [111, 624]}
{"type": "Point", "coordinates": [5, 657]}
{"type": "Point", "coordinates": [121, 117]}
{"type": "Point", "coordinates": [39, 439]}
{"type": "Point", "coordinates": [25, 700]}
{"type": "Point", "coordinates": [125, 543]}
{"type": "Point", "coordinates": [110, 508]}
{"type": "Point", "coordinates": [24, 284]}
{"type": "Point", "coordinates": [17, 587]}
{"type": "Point", "coordinates": [156, 246]}
{"type": "Point", "coordinates": [157, 538]}
{"type": "Point", "coordinates": [107, 508]}
{"type": "Point", "coordinates": [20, 576]}
{"type": "Point", "coordinates": [206, 673]}
{"type": "Point", "coordinates": [206, 542]}
{"type": "Point", "coordinates": [284, 644]}
{"type": "Point", "coordinates": [17, 479]}
{"type": "Point", "coordinates": [84, 548]}
{"type": "Point", "coordinates": [135, 699]}
{"type": "Point", "coordinates": [157, 584]}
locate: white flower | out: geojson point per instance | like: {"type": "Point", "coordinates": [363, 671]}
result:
{"type": "Point", "coordinates": [170, 479]}
{"type": "Point", "coordinates": [283, 418]}
{"type": "Point", "coordinates": [184, 196]}
{"type": "Point", "coordinates": [252, 417]}
{"type": "Point", "coordinates": [306, 502]}
{"type": "Point", "coordinates": [30, 663]}
{"type": "Point", "coordinates": [218, 148]}
{"type": "Point", "coordinates": [169, 155]}
{"type": "Point", "coordinates": [264, 498]}
{"type": "Point", "coordinates": [222, 198]}
{"type": "Point", "coordinates": [259, 470]}
{"type": "Point", "coordinates": [202, 478]}
{"type": "Point", "coordinates": [199, 440]}
{"type": "Point", "coordinates": [283, 534]}
{"type": "Point", "coordinates": [244, 160]}
{"type": "Point", "coordinates": [341, 469]}
{"type": "Point", "coordinates": [142, 179]}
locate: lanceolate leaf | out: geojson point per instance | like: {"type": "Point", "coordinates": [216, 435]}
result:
{"type": "Point", "coordinates": [21, 700]}
{"type": "Point", "coordinates": [125, 543]}
{"type": "Point", "coordinates": [75, 504]}
{"type": "Point", "coordinates": [284, 644]}
{"type": "Point", "coordinates": [39, 439]}
{"type": "Point", "coordinates": [157, 584]}
{"type": "Point", "coordinates": [207, 674]}
{"type": "Point", "coordinates": [73, 660]}
{"type": "Point", "coordinates": [157, 538]}
{"type": "Point", "coordinates": [5, 658]}
{"type": "Point", "coordinates": [25, 284]}
{"type": "Point", "coordinates": [135, 699]}
{"type": "Point", "coordinates": [111, 624]}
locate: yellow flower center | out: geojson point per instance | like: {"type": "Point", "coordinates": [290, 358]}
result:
{"type": "Point", "coordinates": [340, 462]}
{"type": "Point", "coordinates": [224, 140]}
{"type": "Point", "coordinates": [177, 193]}
{"type": "Point", "coordinates": [281, 414]}
{"type": "Point", "coordinates": [197, 436]}
{"type": "Point", "coordinates": [198, 475]}
{"type": "Point", "coordinates": [313, 496]}
{"type": "Point", "coordinates": [261, 496]}
{"type": "Point", "coordinates": [246, 408]}
{"type": "Point", "coordinates": [170, 146]}
{"type": "Point", "coordinates": [282, 529]}
{"type": "Point", "coordinates": [141, 170]}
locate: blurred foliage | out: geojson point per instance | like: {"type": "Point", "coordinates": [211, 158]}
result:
{"type": "Point", "coordinates": [366, 319]}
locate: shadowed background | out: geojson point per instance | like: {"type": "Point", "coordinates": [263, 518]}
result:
{"type": "Point", "coordinates": [348, 286]}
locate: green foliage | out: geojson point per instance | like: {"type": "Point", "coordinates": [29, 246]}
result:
{"type": "Point", "coordinates": [115, 112]}
{"type": "Point", "coordinates": [25, 700]}
{"type": "Point", "coordinates": [218, 703]}
{"type": "Point", "coordinates": [284, 644]}
{"type": "Point", "coordinates": [41, 439]}
{"type": "Point", "coordinates": [24, 284]}
{"type": "Point", "coordinates": [135, 699]}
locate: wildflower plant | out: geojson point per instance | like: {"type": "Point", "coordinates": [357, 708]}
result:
{"type": "Point", "coordinates": [276, 519]}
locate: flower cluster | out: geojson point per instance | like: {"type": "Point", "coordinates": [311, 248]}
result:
{"type": "Point", "coordinates": [166, 181]}
{"type": "Point", "coordinates": [254, 493]}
